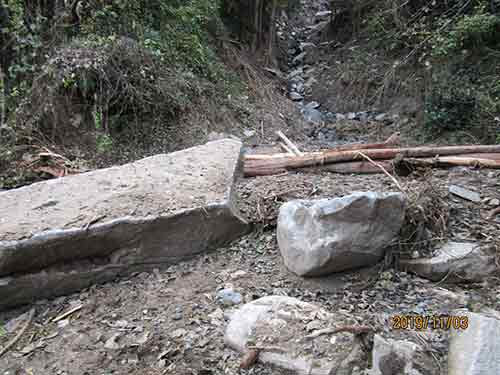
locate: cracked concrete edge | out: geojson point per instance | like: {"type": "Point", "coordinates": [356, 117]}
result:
{"type": "Point", "coordinates": [23, 255]}
{"type": "Point", "coordinates": [167, 247]}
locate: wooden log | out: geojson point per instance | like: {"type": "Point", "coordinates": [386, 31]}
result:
{"type": "Point", "coordinates": [453, 161]}
{"type": "Point", "coordinates": [352, 167]}
{"type": "Point", "coordinates": [258, 165]}
{"type": "Point", "coordinates": [491, 161]}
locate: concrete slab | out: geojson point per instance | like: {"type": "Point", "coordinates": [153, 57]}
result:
{"type": "Point", "coordinates": [157, 210]}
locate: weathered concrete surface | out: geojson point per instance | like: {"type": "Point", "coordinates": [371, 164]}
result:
{"type": "Point", "coordinates": [457, 261]}
{"type": "Point", "coordinates": [156, 210]}
{"type": "Point", "coordinates": [323, 236]}
{"type": "Point", "coordinates": [475, 350]}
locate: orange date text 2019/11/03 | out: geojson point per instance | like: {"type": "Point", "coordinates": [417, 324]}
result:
{"type": "Point", "coordinates": [424, 322]}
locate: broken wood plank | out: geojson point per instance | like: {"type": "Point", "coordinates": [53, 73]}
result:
{"type": "Point", "coordinates": [258, 165]}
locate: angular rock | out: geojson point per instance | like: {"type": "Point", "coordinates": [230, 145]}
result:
{"type": "Point", "coordinates": [312, 115]}
{"type": "Point", "coordinates": [313, 105]}
{"type": "Point", "coordinates": [393, 357]}
{"type": "Point", "coordinates": [331, 235]}
{"type": "Point", "coordinates": [296, 72]}
{"type": "Point", "coordinates": [475, 350]}
{"type": "Point", "coordinates": [457, 261]}
{"type": "Point", "coordinates": [66, 234]}
{"type": "Point", "coordinates": [229, 297]}
{"type": "Point", "coordinates": [299, 58]}
{"type": "Point", "coordinates": [278, 326]}
{"type": "Point", "coordinates": [465, 193]}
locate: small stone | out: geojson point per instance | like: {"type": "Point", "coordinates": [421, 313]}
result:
{"type": "Point", "coordinates": [299, 58]}
{"type": "Point", "coordinates": [63, 323]}
{"type": "Point", "coordinates": [178, 333]}
{"type": "Point", "coordinates": [307, 46]}
{"type": "Point", "coordinates": [249, 133]}
{"type": "Point", "coordinates": [351, 116]}
{"type": "Point", "coordinates": [465, 193]}
{"type": "Point", "coordinates": [494, 202]}
{"type": "Point", "coordinates": [237, 275]}
{"type": "Point", "coordinates": [295, 73]}
{"type": "Point", "coordinates": [228, 297]}
{"type": "Point", "coordinates": [295, 96]}
{"type": "Point", "coordinates": [380, 117]}
{"type": "Point", "coordinates": [340, 116]}
{"type": "Point", "coordinates": [312, 105]}
{"type": "Point", "coordinates": [112, 343]}
{"type": "Point", "coordinates": [312, 115]}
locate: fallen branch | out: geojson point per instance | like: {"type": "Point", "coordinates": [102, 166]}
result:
{"type": "Point", "coordinates": [13, 342]}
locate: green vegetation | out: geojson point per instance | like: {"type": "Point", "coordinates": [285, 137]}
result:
{"type": "Point", "coordinates": [448, 50]}
{"type": "Point", "coordinates": [106, 65]}
{"type": "Point", "coordinates": [101, 75]}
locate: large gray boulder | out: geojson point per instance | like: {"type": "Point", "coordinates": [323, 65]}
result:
{"type": "Point", "coordinates": [331, 235]}
{"type": "Point", "coordinates": [65, 234]}
{"type": "Point", "coordinates": [475, 350]}
{"type": "Point", "coordinates": [283, 330]}
{"type": "Point", "coordinates": [455, 261]}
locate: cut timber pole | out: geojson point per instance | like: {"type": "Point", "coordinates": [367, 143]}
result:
{"type": "Point", "coordinates": [261, 165]}
{"type": "Point", "coordinates": [453, 161]}
{"type": "Point", "coordinates": [289, 143]}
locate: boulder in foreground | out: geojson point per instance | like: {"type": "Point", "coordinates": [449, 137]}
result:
{"type": "Point", "coordinates": [320, 237]}
{"type": "Point", "coordinates": [278, 327]}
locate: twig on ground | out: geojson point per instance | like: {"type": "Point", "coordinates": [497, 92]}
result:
{"type": "Point", "coordinates": [13, 342]}
{"type": "Point", "coordinates": [67, 313]}
{"type": "Point", "coordinates": [383, 170]}
{"type": "Point", "coordinates": [357, 330]}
